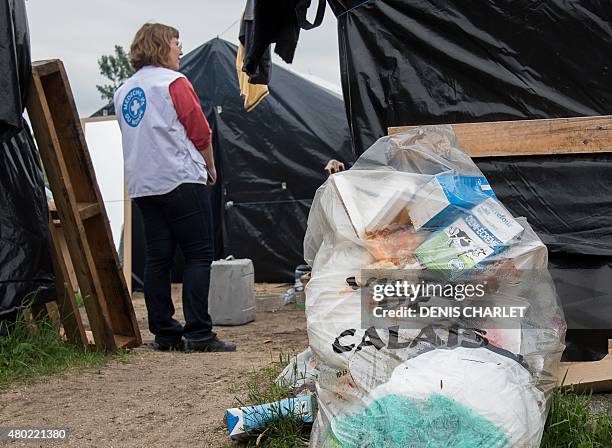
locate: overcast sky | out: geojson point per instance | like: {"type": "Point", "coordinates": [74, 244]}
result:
{"type": "Point", "coordinates": [79, 31]}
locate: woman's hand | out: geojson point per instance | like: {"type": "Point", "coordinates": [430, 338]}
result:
{"type": "Point", "coordinates": [212, 175]}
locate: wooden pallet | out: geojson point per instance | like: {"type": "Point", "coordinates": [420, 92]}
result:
{"type": "Point", "coordinates": [578, 135]}
{"type": "Point", "coordinates": [80, 210]}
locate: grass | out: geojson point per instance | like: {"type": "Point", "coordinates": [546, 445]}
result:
{"type": "Point", "coordinates": [284, 431]}
{"type": "Point", "coordinates": [29, 350]}
{"type": "Point", "coordinates": [571, 425]}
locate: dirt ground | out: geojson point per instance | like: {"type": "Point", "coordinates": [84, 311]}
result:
{"type": "Point", "coordinates": [156, 399]}
{"type": "Point", "coordinates": [163, 399]}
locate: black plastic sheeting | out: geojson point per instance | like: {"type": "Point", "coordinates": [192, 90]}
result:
{"type": "Point", "coordinates": [26, 271]}
{"type": "Point", "coordinates": [412, 62]}
{"type": "Point", "coordinates": [14, 64]}
{"type": "Point", "coordinates": [269, 161]}
{"type": "Point", "coordinates": [454, 61]}
{"type": "Point", "coordinates": [567, 200]}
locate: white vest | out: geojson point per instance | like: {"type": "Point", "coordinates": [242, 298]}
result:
{"type": "Point", "coordinates": [158, 155]}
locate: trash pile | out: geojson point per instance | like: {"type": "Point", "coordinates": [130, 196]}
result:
{"type": "Point", "coordinates": [466, 354]}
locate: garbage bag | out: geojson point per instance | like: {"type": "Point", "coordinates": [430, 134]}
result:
{"type": "Point", "coordinates": [26, 269]}
{"type": "Point", "coordinates": [300, 373]}
{"type": "Point", "coordinates": [430, 305]}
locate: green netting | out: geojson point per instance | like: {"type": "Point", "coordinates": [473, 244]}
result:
{"type": "Point", "coordinates": [396, 421]}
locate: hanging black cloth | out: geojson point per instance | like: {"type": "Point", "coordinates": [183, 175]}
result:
{"type": "Point", "coordinates": [260, 74]}
{"type": "Point", "coordinates": [277, 22]}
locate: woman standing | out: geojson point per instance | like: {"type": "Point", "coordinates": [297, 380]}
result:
{"type": "Point", "coordinates": [169, 162]}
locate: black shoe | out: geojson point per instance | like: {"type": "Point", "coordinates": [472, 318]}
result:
{"type": "Point", "coordinates": [166, 347]}
{"type": "Point", "coordinates": [213, 345]}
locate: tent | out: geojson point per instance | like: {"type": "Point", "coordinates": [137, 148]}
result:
{"type": "Point", "coordinates": [270, 160]}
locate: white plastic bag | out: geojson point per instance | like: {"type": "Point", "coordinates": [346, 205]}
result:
{"type": "Point", "coordinates": [300, 373]}
{"type": "Point", "coordinates": [361, 227]}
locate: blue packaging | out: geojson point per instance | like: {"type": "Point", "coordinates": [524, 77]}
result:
{"type": "Point", "coordinates": [248, 418]}
{"type": "Point", "coordinates": [445, 197]}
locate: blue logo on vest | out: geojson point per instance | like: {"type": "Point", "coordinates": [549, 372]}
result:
{"type": "Point", "coordinates": [134, 106]}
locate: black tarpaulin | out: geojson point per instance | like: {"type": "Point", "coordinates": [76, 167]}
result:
{"type": "Point", "coordinates": [269, 161]}
{"type": "Point", "coordinates": [411, 62]}
{"type": "Point", "coordinates": [26, 271]}
{"type": "Point", "coordinates": [450, 61]}
{"type": "Point", "coordinates": [567, 200]}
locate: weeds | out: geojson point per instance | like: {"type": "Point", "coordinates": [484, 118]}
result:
{"type": "Point", "coordinates": [282, 431]}
{"type": "Point", "coordinates": [31, 349]}
{"type": "Point", "coordinates": [571, 425]}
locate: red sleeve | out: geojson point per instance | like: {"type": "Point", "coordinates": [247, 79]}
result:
{"type": "Point", "coordinates": [190, 113]}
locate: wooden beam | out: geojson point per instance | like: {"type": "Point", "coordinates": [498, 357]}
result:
{"type": "Point", "coordinates": [532, 137]}
{"type": "Point", "coordinates": [88, 209]}
{"type": "Point", "coordinates": [66, 287]}
{"type": "Point", "coordinates": [46, 67]}
{"type": "Point", "coordinates": [127, 240]}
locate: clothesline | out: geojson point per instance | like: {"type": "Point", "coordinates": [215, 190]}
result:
{"type": "Point", "coordinates": [229, 27]}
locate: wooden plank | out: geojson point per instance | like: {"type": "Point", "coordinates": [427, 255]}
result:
{"type": "Point", "coordinates": [66, 287]}
{"type": "Point", "coordinates": [88, 209]}
{"type": "Point", "coordinates": [532, 137]}
{"type": "Point", "coordinates": [54, 314]}
{"type": "Point", "coordinates": [127, 240]}
{"type": "Point", "coordinates": [595, 376]}
{"type": "Point", "coordinates": [122, 342]}
{"type": "Point", "coordinates": [90, 337]}
{"type": "Point", "coordinates": [44, 68]}
{"type": "Point", "coordinates": [125, 342]}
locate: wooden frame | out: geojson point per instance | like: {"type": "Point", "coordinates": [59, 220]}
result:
{"type": "Point", "coordinates": [80, 208]}
{"type": "Point", "coordinates": [579, 135]}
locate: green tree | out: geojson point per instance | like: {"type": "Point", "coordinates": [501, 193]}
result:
{"type": "Point", "coordinates": [117, 69]}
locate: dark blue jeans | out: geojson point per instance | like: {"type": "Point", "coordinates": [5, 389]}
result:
{"type": "Point", "coordinates": [183, 216]}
